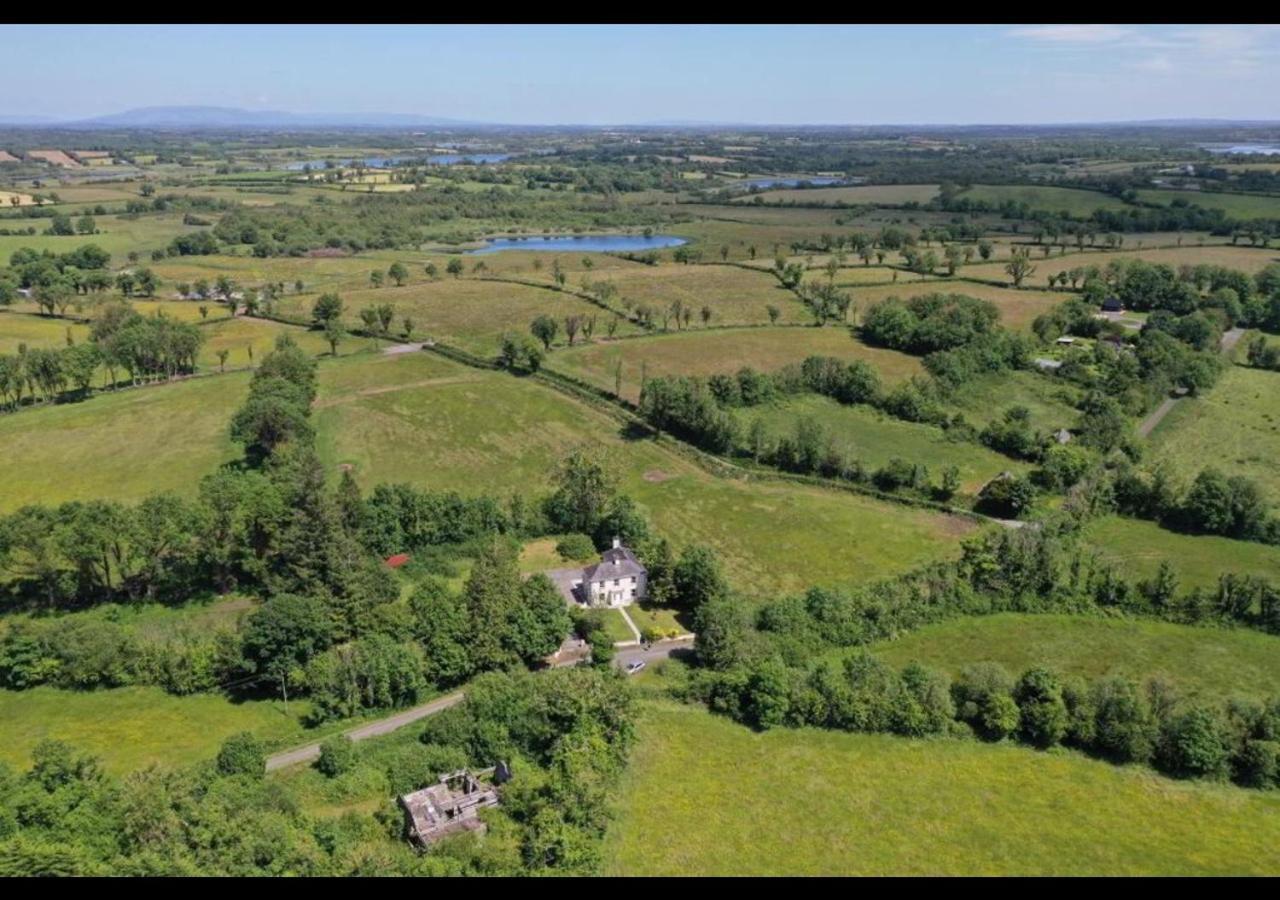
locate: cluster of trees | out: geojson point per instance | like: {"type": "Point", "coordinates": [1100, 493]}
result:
{"type": "Point", "coordinates": [120, 340]}
{"type": "Point", "coordinates": [1113, 717]}
{"type": "Point", "coordinates": [384, 221]}
{"type": "Point", "coordinates": [1214, 503]}
{"type": "Point", "coordinates": [566, 734]}
{"type": "Point", "coordinates": [1263, 355]}
{"type": "Point", "coordinates": [959, 336]}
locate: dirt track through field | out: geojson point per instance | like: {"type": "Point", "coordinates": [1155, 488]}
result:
{"type": "Point", "coordinates": [393, 388]}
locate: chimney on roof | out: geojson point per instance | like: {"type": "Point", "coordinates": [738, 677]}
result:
{"type": "Point", "coordinates": [617, 543]}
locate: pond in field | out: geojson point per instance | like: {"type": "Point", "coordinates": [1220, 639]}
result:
{"type": "Point", "coordinates": [582, 243]}
{"type": "Point", "coordinates": [1247, 149]}
{"type": "Point", "coordinates": [386, 162]}
{"type": "Point", "coordinates": [765, 183]}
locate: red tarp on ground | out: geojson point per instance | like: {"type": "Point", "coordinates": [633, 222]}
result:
{"type": "Point", "coordinates": [398, 560]}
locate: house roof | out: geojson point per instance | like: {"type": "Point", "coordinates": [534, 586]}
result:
{"type": "Point", "coordinates": [616, 562]}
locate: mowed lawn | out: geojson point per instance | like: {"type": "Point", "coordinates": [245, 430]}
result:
{"type": "Point", "coordinates": [1051, 402]}
{"type": "Point", "coordinates": [133, 727]}
{"type": "Point", "coordinates": [1138, 547]}
{"type": "Point", "coordinates": [708, 352]}
{"type": "Point", "coordinates": [1235, 427]}
{"type": "Point", "coordinates": [874, 438]}
{"type": "Point", "coordinates": [439, 425]}
{"type": "Point", "coordinates": [1215, 663]}
{"type": "Point", "coordinates": [705, 796]}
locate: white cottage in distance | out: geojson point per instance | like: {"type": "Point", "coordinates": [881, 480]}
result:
{"type": "Point", "coordinates": [617, 580]}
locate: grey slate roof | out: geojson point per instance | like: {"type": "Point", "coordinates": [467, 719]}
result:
{"type": "Point", "coordinates": [616, 562]}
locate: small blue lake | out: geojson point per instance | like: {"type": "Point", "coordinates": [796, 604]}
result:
{"type": "Point", "coordinates": [763, 183]}
{"type": "Point", "coordinates": [582, 243]}
{"type": "Point", "coordinates": [1248, 149]}
{"type": "Point", "coordinates": [386, 162]}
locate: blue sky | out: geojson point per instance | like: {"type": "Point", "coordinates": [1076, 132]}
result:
{"type": "Point", "coordinates": [618, 74]}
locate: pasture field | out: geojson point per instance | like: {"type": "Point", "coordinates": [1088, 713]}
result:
{"type": "Point", "coordinates": [469, 313]}
{"type": "Point", "coordinates": [420, 419]}
{"type": "Point", "coordinates": [1053, 199]}
{"type": "Point", "coordinates": [1052, 403]}
{"type": "Point", "coordinates": [37, 331]}
{"type": "Point", "coordinates": [317, 273]}
{"type": "Point", "coordinates": [119, 235]}
{"type": "Point", "coordinates": [1236, 206]}
{"type": "Point", "coordinates": [1212, 663]}
{"type": "Point", "coordinates": [449, 427]}
{"type": "Point", "coordinates": [1235, 426]}
{"type": "Point", "coordinates": [878, 194]}
{"type": "Point", "coordinates": [238, 335]}
{"type": "Point", "coordinates": [132, 727]}
{"type": "Point", "coordinates": [122, 445]}
{"type": "Point", "coordinates": [711, 351]}
{"type": "Point", "coordinates": [1246, 259]}
{"type": "Point", "coordinates": [736, 296]}
{"type": "Point", "coordinates": [768, 215]}
{"type": "Point", "coordinates": [874, 438]}
{"type": "Point", "coordinates": [1018, 309]}
{"type": "Point", "coordinates": [7, 199]}
{"type": "Point", "coordinates": [1137, 548]}
{"type": "Point", "coordinates": [740, 232]}
{"type": "Point", "coordinates": [705, 796]}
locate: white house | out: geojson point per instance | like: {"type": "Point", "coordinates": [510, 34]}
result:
{"type": "Point", "coordinates": [617, 580]}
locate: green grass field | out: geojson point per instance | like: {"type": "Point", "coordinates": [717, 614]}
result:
{"type": "Point", "coordinates": [1138, 547]}
{"type": "Point", "coordinates": [131, 728]}
{"type": "Point", "coordinates": [37, 331]}
{"type": "Point", "coordinates": [1246, 259]}
{"type": "Point", "coordinates": [736, 296]}
{"type": "Point", "coordinates": [1235, 427]}
{"type": "Point", "coordinates": [874, 438]}
{"type": "Point", "coordinates": [1053, 199]}
{"type": "Point", "coordinates": [704, 796]}
{"type": "Point", "coordinates": [123, 446]}
{"type": "Point", "coordinates": [421, 419]}
{"type": "Point", "coordinates": [449, 427]}
{"type": "Point", "coordinates": [468, 313]}
{"type": "Point", "coordinates": [1051, 402]}
{"type": "Point", "coordinates": [1215, 663]}
{"type": "Point", "coordinates": [887, 194]}
{"type": "Point", "coordinates": [1236, 206]}
{"type": "Point", "coordinates": [707, 352]}
{"type": "Point", "coordinates": [119, 235]}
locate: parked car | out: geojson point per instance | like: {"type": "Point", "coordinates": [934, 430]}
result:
{"type": "Point", "coordinates": [634, 667]}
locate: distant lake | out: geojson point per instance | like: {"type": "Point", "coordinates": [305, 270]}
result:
{"type": "Point", "coordinates": [1249, 149]}
{"type": "Point", "coordinates": [583, 243]}
{"type": "Point", "coordinates": [787, 182]}
{"type": "Point", "coordinates": [386, 162]}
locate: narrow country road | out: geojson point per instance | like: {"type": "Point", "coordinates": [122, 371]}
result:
{"type": "Point", "coordinates": [1150, 422]}
{"type": "Point", "coordinates": [1229, 340]}
{"type": "Point", "coordinates": [309, 752]}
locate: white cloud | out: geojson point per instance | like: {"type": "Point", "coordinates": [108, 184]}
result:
{"type": "Point", "coordinates": [1072, 34]}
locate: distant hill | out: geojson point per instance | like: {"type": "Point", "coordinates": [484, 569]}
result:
{"type": "Point", "coordinates": [180, 117]}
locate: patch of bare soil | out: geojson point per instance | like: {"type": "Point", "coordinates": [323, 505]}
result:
{"type": "Point", "coordinates": [657, 476]}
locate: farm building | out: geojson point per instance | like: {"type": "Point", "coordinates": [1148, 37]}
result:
{"type": "Point", "coordinates": [450, 806]}
{"type": "Point", "coordinates": [1112, 304]}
